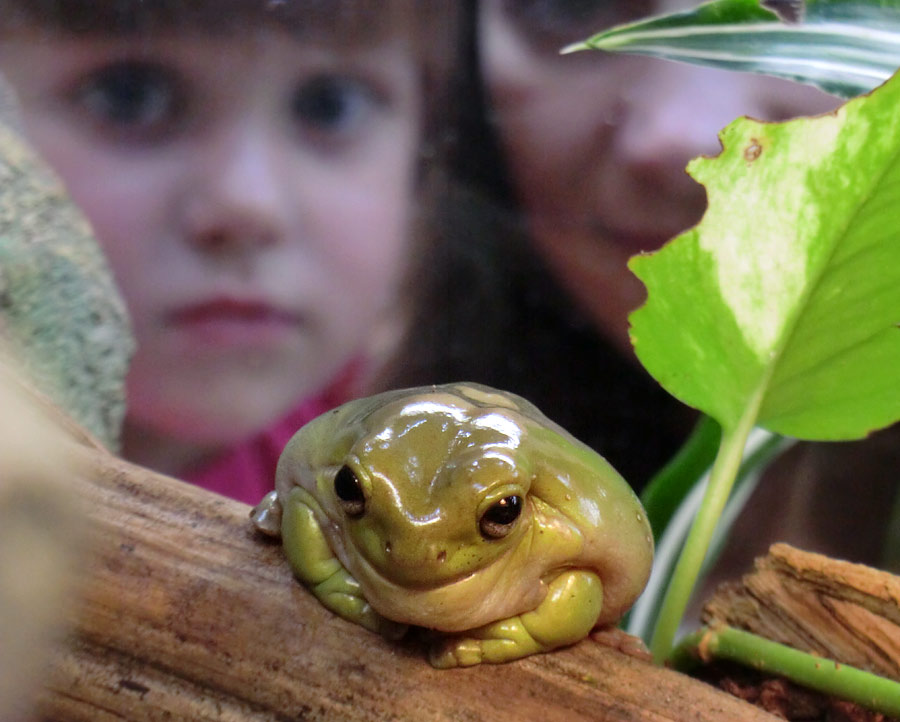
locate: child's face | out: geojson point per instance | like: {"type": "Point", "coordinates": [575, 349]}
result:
{"type": "Point", "coordinates": [253, 195]}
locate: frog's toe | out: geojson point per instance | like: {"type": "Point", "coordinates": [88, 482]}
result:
{"type": "Point", "coordinates": [455, 652]}
{"type": "Point", "coordinates": [266, 515]}
{"type": "Point", "coordinates": [488, 645]}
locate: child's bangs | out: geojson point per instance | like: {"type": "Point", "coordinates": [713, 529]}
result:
{"type": "Point", "coordinates": [339, 20]}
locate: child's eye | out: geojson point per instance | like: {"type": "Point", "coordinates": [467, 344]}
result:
{"type": "Point", "coordinates": [133, 97]}
{"type": "Point", "coordinates": [333, 104]}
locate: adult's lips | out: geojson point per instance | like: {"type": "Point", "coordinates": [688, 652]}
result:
{"type": "Point", "coordinates": [635, 240]}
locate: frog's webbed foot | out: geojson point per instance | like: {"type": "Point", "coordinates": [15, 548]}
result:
{"type": "Point", "coordinates": [566, 615]}
{"type": "Point", "coordinates": [623, 642]}
{"type": "Point", "coordinates": [316, 566]}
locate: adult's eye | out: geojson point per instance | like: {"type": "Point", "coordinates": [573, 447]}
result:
{"type": "Point", "coordinates": [133, 96]}
{"type": "Point", "coordinates": [333, 105]}
{"type": "Point", "coordinates": [552, 23]}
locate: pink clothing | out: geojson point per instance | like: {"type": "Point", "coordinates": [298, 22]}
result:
{"type": "Point", "coordinates": [247, 471]}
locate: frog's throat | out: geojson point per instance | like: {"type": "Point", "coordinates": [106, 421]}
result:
{"type": "Point", "coordinates": [511, 584]}
{"type": "Point", "coordinates": [479, 597]}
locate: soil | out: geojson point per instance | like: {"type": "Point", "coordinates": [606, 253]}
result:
{"type": "Point", "coordinates": [785, 699]}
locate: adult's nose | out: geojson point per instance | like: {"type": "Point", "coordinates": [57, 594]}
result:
{"type": "Point", "coordinates": [237, 199]}
{"type": "Point", "coordinates": [673, 113]}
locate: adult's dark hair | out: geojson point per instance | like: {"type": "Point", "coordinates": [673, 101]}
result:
{"type": "Point", "coordinates": [489, 311]}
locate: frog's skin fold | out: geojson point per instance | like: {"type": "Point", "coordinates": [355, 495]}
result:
{"type": "Point", "coordinates": [388, 510]}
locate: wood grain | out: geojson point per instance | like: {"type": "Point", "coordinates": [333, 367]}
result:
{"type": "Point", "coordinates": [840, 610]}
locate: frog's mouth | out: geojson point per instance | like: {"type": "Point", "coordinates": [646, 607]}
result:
{"type": "Point", "coordinates": [413, 565]}
{"type": "Point", "coordinates": [425, 567]}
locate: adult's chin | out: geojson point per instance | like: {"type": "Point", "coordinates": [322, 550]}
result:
{"type": "Point", "coordinates": [593, 270]}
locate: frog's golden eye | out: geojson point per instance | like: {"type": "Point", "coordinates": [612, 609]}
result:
{"type": "Point", "coordinates": [500, 517]}
{"type": "Point", "coordinates": [349, 492]}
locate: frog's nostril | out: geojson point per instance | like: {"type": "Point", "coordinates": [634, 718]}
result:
{"type": "Point", "coordinates": [442, 556]}
{"type": "Point", "coordinates": [387, 547]}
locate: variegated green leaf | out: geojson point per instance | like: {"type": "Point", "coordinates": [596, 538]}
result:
{"type": "Point", "coordinates": [781, 307]}
{"type": "Point", "coordinates": [794, 296]}
{"type": "Point", "coordinates": [845, 47]}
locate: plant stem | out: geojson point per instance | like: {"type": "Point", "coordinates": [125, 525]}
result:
{"type": "Point", "coordinates": [722, 477]}
{"type": "Point", "coordinates": [823, 675]}
{"type": "Point", "coordinates": [758, 453]}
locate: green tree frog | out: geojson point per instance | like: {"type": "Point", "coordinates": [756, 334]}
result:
{"type": "Point", "coordinates": [464, 510]}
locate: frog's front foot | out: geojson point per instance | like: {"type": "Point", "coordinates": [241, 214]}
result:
{"type": "Point", "coordinates": [566, 615]}
{"type": "Point", "coordinates": [314, 564]}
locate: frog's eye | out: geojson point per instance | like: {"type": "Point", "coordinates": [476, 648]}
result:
{"type": "Point", "coordinates": [349, 492]}
{"type": "Point", "coordinates": [500, 516]}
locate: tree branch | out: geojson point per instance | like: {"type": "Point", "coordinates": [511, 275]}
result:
{"type": "Point", "coordinates": [188, 613]}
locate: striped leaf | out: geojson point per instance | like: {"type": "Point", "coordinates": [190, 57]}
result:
{"type": "Point", "coordinates": [845, 47]}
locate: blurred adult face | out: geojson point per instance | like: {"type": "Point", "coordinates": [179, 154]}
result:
{"type": "Point", "coordinates": [597, 143]}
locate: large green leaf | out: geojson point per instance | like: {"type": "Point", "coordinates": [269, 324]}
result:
{"type": "Point", "coordinates": [784, 301]}
{"type": "Point", "coordinates": [845, 47]}
{"type": "Point", "coordinates": [781, 308]}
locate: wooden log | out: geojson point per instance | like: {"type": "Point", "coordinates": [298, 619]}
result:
{"type": "Point", "coordinates": [188, 613]}
{"type": "Point", "coordinates": [40, 534]}
{"type": "Point", "coordinates": [846, 612]}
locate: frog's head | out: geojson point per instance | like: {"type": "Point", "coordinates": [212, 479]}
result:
{"type": "Point", "coordinates": [429, 489]}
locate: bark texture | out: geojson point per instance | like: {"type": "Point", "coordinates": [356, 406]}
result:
{"type": "Point", "coordinates": [842, 611]}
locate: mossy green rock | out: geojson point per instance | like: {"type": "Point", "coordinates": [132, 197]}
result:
{"type": "Point", "coordinates": [60, 311]}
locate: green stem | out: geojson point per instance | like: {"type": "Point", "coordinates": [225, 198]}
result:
{"type": "Point", "coordinates": [823, 675]}
{"type": "Point", "coordinates": [641, 619]}
{"type": "Point", "coordinates": [687, 570]}
{"type": "Point", "coordinates": [753, 466]}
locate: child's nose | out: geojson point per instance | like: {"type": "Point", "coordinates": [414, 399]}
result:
{"type": "Point", "coordinates": [238, 199]}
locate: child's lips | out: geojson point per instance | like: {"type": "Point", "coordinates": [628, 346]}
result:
{"type": "Point", "coordinates": [231, 322]}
